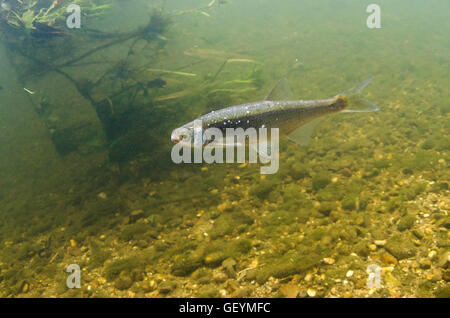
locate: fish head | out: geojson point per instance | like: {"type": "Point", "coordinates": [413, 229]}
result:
{"type": "Point", "coordinates": [189, 135]}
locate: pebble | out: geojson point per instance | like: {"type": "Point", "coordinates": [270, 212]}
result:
{"type": "Point", "coordinates": [329, 260]}
{"type": "Point", "coordinates": [102, 195]}
{"type": "Point", "coordinates": [290, 290]}
{"type": "Point", "coordinates": [241, 292]}
{"type": "Point", "coordinates": [219, 277]}
{"type": "Point", "coordinates": [308, 277]}
{"type": "Point", "coordinates": [379, 242]}
{"type": "Point", "coordinates": [388, 259]}
{"type": "Point", "coordinates": [136, 215]}
{"type": "Point", "coordinates": [446, 276]}
{"type": "Point", "coordinates": [167, 287]}
{"type": "Point", "coordinates": [346, 172]}
{"type": "Point", "coordinates": [444, 260]}
{"type": "Point", "coordinates": [25, 288]}
{"type": "Point", "coordinates": [311, 292]}
{"type": "Point", "coordinates": [349, 273]}
{"type": "Point", "coordinates": [425, 263]}
{"type": "Point", "coordinates": [223, 206]}
{"type": "Point", "coordinates": [229, 266]}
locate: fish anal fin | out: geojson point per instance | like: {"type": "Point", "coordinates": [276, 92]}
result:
{"type": "Point", "coordinates": [281, 91]}
{"type": "Point", "coordinates": [302, 135]}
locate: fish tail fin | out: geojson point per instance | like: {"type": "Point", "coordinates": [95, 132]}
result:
{"type": "Point", "coordinates": [356, 103]}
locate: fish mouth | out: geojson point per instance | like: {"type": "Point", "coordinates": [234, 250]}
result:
{"type": "Point", "coordinates": [175, 137]}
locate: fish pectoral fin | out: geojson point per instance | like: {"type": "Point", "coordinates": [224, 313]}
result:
{"type": "Point", "coordinates": [302, 135]}
{"type": "Point", "coordinates": [281, 91]}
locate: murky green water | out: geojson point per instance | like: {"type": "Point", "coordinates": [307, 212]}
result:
{"type": "Point", "coordinates": [86, 175]}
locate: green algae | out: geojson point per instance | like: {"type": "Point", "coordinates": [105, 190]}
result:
{"type": "Point", "coordinates": [320, 180]}
{"type": "Point", "coordinates": [291, 263]}
{"type": "Point", "coordinates": [406, 222]}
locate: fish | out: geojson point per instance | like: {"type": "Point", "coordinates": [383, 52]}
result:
{"type": "Point", "coordinates": [295, 119]}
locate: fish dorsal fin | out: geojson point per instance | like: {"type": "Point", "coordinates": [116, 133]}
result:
{"type": "Point", "coordinates": [281, 91]}
{"type": "Point", "coordinates": [302, 135]}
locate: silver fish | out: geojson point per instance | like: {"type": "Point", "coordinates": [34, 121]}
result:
{"type": "Point", "coordinates": [295, 118]}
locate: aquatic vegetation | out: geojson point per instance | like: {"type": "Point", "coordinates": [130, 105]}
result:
{"type": "Point", "coordinates": [320, 180]}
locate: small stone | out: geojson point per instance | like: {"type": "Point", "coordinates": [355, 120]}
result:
{"type": "Point", "coordinates": [148, 285]}
{"type": "Point", "coordinates": [349, 274]}
{"type": "Point", "coordinates": [425, 263]}
{"type": "Point", "coordinates": [136, 215]}
{"type": "Point", "coordinates": [308, 277]}
{"type": "Point", "coordinates": [329, 260]}
{"type": "Point", "coordinates": [290, 290]}
{"type": "Point", "coordinates": [417, 233]}
{"type": "Point", "coordinates": [346, 172]}
{"type": "Point", "coordinates": [224, 206]}
{"type": "Point", "coordinates": [73, 251]}
{"type": "Point", "coordinates": [444, 260]}
{"type": "Point", "coordinates": [372, 247]}
{"type": "Point", "coordinates": [390, 280]}
{"type": "Point", "coordinates": [432, 255]}
{"type": "Point", "coordinates": [166, 287]}
{"type": "Point", "coordinates": [379, 242]}
{"type": "Point", "coordinates": [446, 275]}
{"type": "Point", "coordinates": [123, 282]}
{"type": "Point", "coordinates": [359, 220]}
{"type": "Point", "coordinates": [102, 195]}
{"type": "Point", "coordinates": [401, 247]}
{"type": "Point", "coordinates": [241, 292]}
{"type": "Point", "coordinates": [229, 266]}
{"type": "Point", "coordinates": [436, 275]}
{"type": "Point", "coordinates": [73, 243]}
{"type": "Point", "coordinates": [311, 292]}
{"type": "Point", "coordinates": [219, 277]}
{"type": "Point", "coordinates": [406, 222]}
{"type": "Point", "coordinates": [214, 258]}
{"type": "Point", "coordinates": [388, 259]}
{"type": "Point", "coordinates": [25, 287]}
